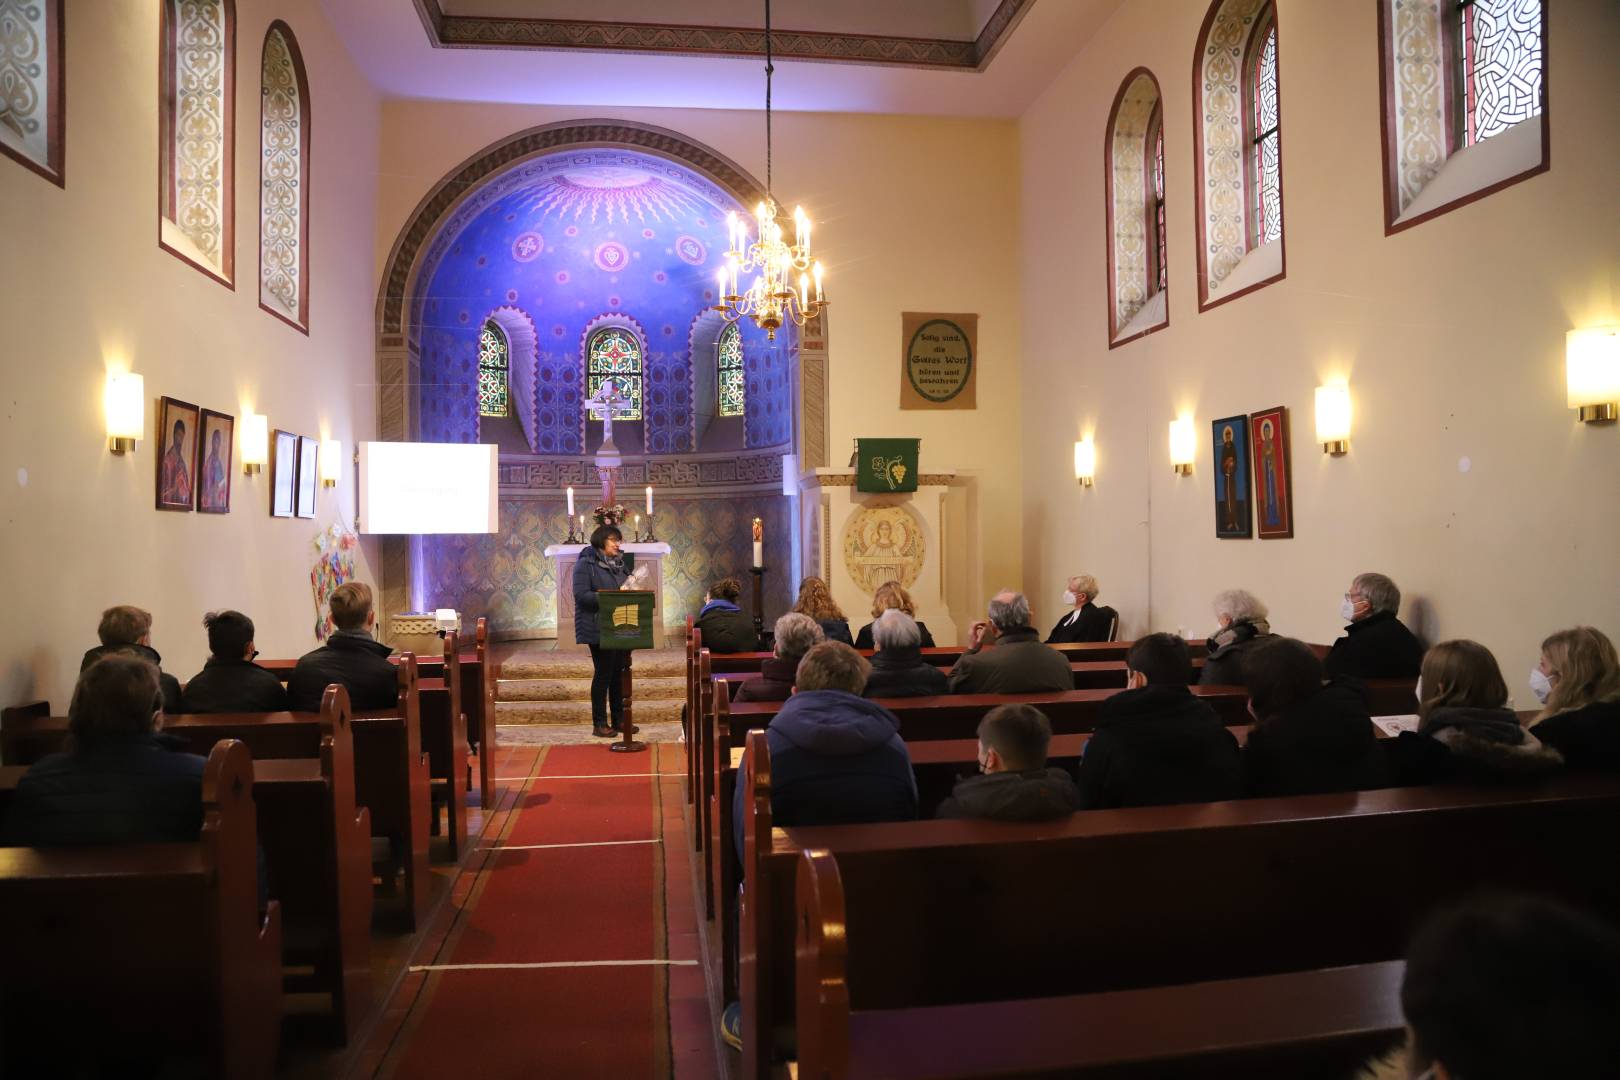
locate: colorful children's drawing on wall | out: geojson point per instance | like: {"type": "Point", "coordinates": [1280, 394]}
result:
{"type": "Point", "coordinates": [334, 566]}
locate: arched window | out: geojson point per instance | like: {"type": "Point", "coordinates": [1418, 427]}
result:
{"type": "Point", "coordinates": [284, 179]}
{"type": "Point", "coordinates": [31, 85]}
{"type": "Point", "coordinates": [733, 392]}
{"type": "Point", "coordinates": [1459, 75]}
{"type": "Point", "coordinates": [197, 112]}
{"type": "Point", "coordinates": [614, 353]}
{"type": "Point", "coordinates": [1137, 255]}
{"type": "Point", "coordinates": [1237, 159]}
{"type": "Point", "coordinates": [494, 371]}
{"type": "Point", "coordinates": [1161, 269]}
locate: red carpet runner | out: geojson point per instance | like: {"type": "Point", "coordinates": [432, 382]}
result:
{"type": "Point", "coordinates": [560, 961]}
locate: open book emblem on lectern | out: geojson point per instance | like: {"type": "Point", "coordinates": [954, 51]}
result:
{"type": "Point", "coordinates": [629, 615]}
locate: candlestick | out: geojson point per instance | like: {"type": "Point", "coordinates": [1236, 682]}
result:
{"type": "Point", "coordinates": [649, 498]}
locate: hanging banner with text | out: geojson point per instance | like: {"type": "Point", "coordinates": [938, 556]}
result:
{"type": "Point", "coordinates": [886, 465]}
{"type": "Point", "coordinates": [939, 360]}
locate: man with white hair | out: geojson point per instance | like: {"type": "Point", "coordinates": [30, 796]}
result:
{"type": "Point", "coordinates": [1087, 621]}
{"type": "Point", "coordinates": [898, 669]}
{"type": "Point", "coordinates": [1376, 644]}
{"type": "Point", "coordinates": [1005, 654]}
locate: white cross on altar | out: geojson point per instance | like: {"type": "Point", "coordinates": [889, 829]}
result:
{"type": "Point", "coordinates": [606, 405]}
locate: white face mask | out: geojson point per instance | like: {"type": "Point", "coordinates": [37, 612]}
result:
{"type": "Point", "coordinates": [1347, 610]}
{"type": "Point", "coordinates": [1069, 598]}
{"type": "Point", "coordinates": [1540, 685]}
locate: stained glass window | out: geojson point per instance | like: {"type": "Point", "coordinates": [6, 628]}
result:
{"type": "Point", "coordinates": [1161, 274]}
{"type": "Point", "coordinates": [1267, 172]}
{"type": "Point", "coordinates": [1500, 54]}
{"type": "Point", "coordinates": [494, 369]}
{"type": "Point", "coordinates": [733, 392]}
{"type": "Point", "coordinates": [614, 353]}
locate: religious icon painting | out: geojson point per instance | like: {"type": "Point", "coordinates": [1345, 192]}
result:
{"type": "Point", "coordinates": [1233, 517]}
{"type": "Point", "coordinates": [1273, 467]}
{"type": "Point", "coordinates": [304, 499]}
{"type": "Point", "coordinates": [283, 473]}
{"type": "Point", "coordinates": [214, 463]}
{"type": "Point", "coordinates": [177, 454]}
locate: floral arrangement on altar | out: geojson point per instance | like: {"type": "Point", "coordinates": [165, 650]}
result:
{"type": "Point", "coordinates": [611, 515]}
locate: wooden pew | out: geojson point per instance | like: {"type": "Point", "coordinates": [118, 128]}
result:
{"type": "Point", "coordinates": [1211, 891]}
{"type": "Point", "coordinates": [145, 945]}
{"type": "Point", "coordinates": [1310, 1023]}
{"type": "Point", "coordinates": [479, 705]}
{"type": "Point", "coordinates": [947, 656]}
{"type": "Point", "coordinates": [444, 737]}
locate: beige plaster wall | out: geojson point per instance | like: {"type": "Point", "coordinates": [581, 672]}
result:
{"type": "Point", "coordinates": [86, 288]}
{"type": "Point", "coordinates": [1451, 334]}
{"type": "Point", "coordinates": [911, 214]}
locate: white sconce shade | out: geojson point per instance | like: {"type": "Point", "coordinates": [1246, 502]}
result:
{"type": "Point", "coordinates": [331, 459]}
{"type": "Point", "coordinates": [1333, 418]}
{"type": "Point", "coordinates": [1592, 372]}
{"type": "Point", "coordinates": [255, 442]}
{"type": "Point", "coordinates": [124, 401]}
{"type": "Point", "coordinates": [1085, 462]}
{"type": "Point", "coordinates": [1183, 445]}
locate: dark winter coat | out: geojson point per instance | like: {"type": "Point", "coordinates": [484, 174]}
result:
{"type": "Point", "coordinates": [1092, 624]}
{"type": "Point", "coordinates": [836, 630]}
{"type": "Point", "coordinates": [836, 759]}
{"type": "Point", "coordinates": [725, 628]}
{"type": "Point", "coordinates": [1156, 746]}
{"type": "Point", "coordinates": [233, 686]}
{"type": "Point", "coordinates": [1223, 666]}
{"type": "Point", "coordinates": [130, 790]}
{"type": "Point", "coordinates": [1017, 663]}
{"type": "Point", "coordinates": [1378, 647]}
{"type": "Point", "coordinates": [593, 573]}
{"type": "Point", "coordinates": [775, 682]}
{"type": "Point", "coordinates": [1589, 738]}
{"type": "Point", "coordinates": [864, 639]}
{"type": "Point", "coordinates": [170, 685]}
{"type": "Point", "coordinates": [902, 673]}
{"type": "Point", "coordinates": [1322, 744]}
{"type": "Point", "coordinates": [1035, 795]}
{"type": "Point", "coordinates": [353, 660]}
{"type": "Point", "coordinates": [1469, 746]}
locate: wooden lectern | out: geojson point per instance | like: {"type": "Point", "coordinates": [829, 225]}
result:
{"type": "Point", "coordinates": [624, 620]}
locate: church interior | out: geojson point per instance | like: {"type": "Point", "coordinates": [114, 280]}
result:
{"type": "Point", "coordinates": [1195, 330]}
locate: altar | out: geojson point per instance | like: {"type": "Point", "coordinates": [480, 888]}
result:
{"type": "Point", "coordinates": [564, 556]}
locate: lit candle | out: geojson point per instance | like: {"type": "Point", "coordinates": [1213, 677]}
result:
{"type": "Point", "coordinates": [570, 502]}
{"type": "Point", "coordinates": [731, 229]}
{"type": "Point", "coordinates": [638, 524]}
{"type": "Point", "coordinates": [582, 523]}
{"type": "Point", "coordinates": [807, 236]}
{"type": "Point", "coordinates": [816, 270]}
{"type": "Point", "coordinates": [649, 500]}
{"type": "Point", "coordinates": [720, 283]}
{"type": "Point", "coordinates": [798, 225]}
{"type": "Point", "coordinates": [759, 543]}
{"type": "Point", "coordinates": [804, 292]}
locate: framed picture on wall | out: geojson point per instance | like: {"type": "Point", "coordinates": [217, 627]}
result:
{"type": "Point", "coordinates": [1273, 467]}
{"type": "Point", "coordinates": [283, 473]}
{"type": "Point", "coordinates": [308, 449]}
{"type": "Point", "coordinates": [177, 453]}
{"type": "Point", "coordinates": [214, 468]}
{"type": "Point", "coordinates": [1233, 519]}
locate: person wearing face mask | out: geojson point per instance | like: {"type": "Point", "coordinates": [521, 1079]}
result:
{"type": "Point", "coordinates": [1376, 644]}
{"type": "Point", "coordinates": [1578, 684]}
{"type": "Point", "coordinates": [1242, 621]}
{"type": "Point", "coordinates": [1085, 621]}
{"type": "Point", "coordinates": [1014, 782]}
{"type": "Point", "coordinates": [1155, 743]}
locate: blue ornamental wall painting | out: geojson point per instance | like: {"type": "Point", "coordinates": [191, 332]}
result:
{"type": "Point", "coordinates": [1273, 462]}
{"type": "Point", "coordinates": [1233, 515]}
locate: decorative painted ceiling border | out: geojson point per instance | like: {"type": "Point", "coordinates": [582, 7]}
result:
{"type": "Point", "coordinates": [474, 32]}
{"type": "Point", "coordinates": [519, 473]}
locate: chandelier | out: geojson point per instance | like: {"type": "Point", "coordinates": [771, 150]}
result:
{"type": "Point", "coordinates": [784, 274]}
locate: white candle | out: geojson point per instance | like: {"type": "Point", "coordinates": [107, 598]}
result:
{"type": "Point", "coordinates": [582, 523]}
{"type": "Point", "coordinates": [638, 523]}
{"type": "Point", "coordinates": [804, 293]}
{"type": "Point", "coordinates": [759, 553]}
{"type": "Point", "coordinates": [816, 269]}
{"type": "Point", "coordinates": [649, 500]}
{"type": "Point", "coordinates": [570, 502]}
{"type": "Point", "coordinates": [720, 284]}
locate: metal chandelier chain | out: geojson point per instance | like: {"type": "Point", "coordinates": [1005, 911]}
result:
{"type": "Point", "coordinates": [770, 67]}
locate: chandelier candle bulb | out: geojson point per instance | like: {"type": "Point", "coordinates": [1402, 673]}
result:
{"type": "Point", "coordinates": [255, 442]}
{"type": "Point", "coordinates": [816, 273]}
{"type": "Point", "coordinates": [804, 292]}
{"type": "Point", "coordinates": [123, 399]}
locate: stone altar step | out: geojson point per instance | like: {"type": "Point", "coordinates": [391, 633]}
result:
{"type": "Point", "coordinates": [645, 689]}
{"type": "Point", "coordinates": [651, 711]}
{"type": "Point", "coordinates": [552, 664]}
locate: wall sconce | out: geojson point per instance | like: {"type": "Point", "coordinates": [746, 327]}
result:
{"type": "Point", "coordinates": [255, 442]}
{"type": "Point", "coordinates": [1183, 445]}
{"type": "Point", "coordinates": [1085, 462]}
{"type": "Point", "coordinates": [1333, 418]}
{"type": "Point", "coordinates": [123, 399]}
{"type": "Point", "coordinates": [331, 459]}
{"type": "Point", "coordinates": [1592, 372]}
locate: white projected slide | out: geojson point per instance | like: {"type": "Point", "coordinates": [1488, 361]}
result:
{"type": "Point", "coordinates": [421, 488]}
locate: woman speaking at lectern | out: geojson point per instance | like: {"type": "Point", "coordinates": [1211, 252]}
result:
{"type": "Point", "coordinates": [601, 569]}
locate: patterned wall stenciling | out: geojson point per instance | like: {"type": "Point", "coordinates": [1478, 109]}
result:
{"type": "Point", "coordinates": [1220, 101]}
{"type": "Point", "coordinates": [1128, 161]}
{"type": "Point", "coordinates": [665, 473]}
{"type": "Point", "coordinates": [198, 158]}
{"type": "Point", "coordinates": [1418, 61]}
{"type": "Point", "coordinates": [282, 179]}
{"type": "Point", "coordinates": [30, 83]}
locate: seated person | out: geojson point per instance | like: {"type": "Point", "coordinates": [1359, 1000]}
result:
{"type": "Point", "coordinates": [836, 758]}
{"type": "Point", "coordinates": [795, 635]}
{"type": "Point", "coordinates": [1242, 625]}
{"type": "Point", "coordinates": [230, 681]}
{"type": "Point", "coordinates": [351, 657]}
{"type": "Point", "coordinates": [122, 782]}
{"type": "Point", "coordinates": [1006, 656]}
{"type": "Point", "coordinates": [1307, 738]}
{"type": "Point", "coordinates": [898, 669]}
{"type": "Point", "coordinates": [725, 628]}
{"type": "Point", "coordinates": [891, 595]}
{"type": "Point", "coordinates": [1579, 688]}
{"type": "Point", "coordinates": [1466, 730]}
{"type": "Point", "coordinates": [1016, 785]}
{"type": "Point", "coordinates": [1155, 743]}
{"type": "Point", "coordinates": [815, 600]}
{"type": "Point", "coordinates": [1376, 645]}
{"type": "Point", "coordinates": [129, 629]}
{"type": "Point", "coordinates": [1087, 621]}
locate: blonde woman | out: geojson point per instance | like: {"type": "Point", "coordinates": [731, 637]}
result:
{"type": "Point", "coordinates": [1578, 682]}
{"type": "Point", "coordinates": [815, 600]}
{"type": "Point", "coordinates": [891, 596]}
